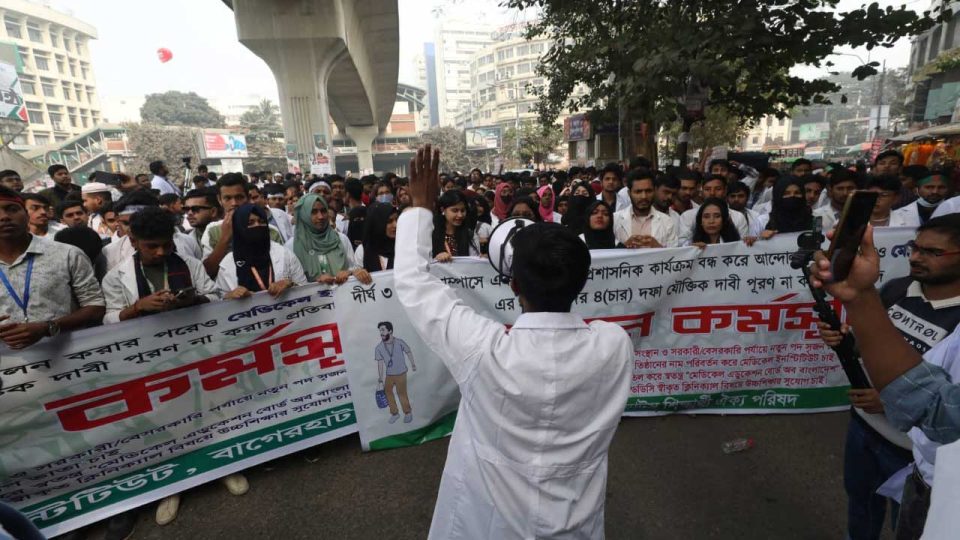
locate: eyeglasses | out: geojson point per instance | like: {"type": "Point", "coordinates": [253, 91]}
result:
{"type": "Point", "coordinates": [912, 248]}
{"type": "Point", "coordinates": [195, 209]}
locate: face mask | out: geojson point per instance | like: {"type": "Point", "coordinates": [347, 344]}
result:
{"type": "Point", "coordinates": [792, 204]}
{"type": "Point", "coordinates": [386, 198]}
{"type": "Point", "coordinates": [927, 204]}
{"type": "Point", "coordinates": [258, 235]}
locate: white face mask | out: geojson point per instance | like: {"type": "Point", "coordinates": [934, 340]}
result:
{"type": "Point", "coordinates": [386, 198]}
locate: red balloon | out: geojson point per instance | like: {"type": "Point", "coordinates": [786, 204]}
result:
{"type": "Point", "coordinates": [164, 54]}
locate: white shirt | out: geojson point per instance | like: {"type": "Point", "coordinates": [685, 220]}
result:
{"type": "Point", "coordinates": [828, 215]}
{"type": "Point", "coordinates": [908, 216]}
{"type": "Point", "coordinates": [206, 243]}
{"type": "Point", "coordinates": [285, 266]}
{"type": "Point", "coordinates": [949, 206]}
{"type": "Point", "coordinates": [352, 261]}
{"type": "Point", "coordinates": [662, 228]}
{"type": "Point", "coordinates": [120, 286]}
{"type": "Point", "coordinates": [623, 199]}
{"type": "Point", "coordinates": [943, 519]}
{"type": "Point", "coordinates": [281, 220]}
{"type": "Point", "coordinates": [119, 249]}
{"type": "Point", "coordinates": [539, 407]}
{"type": "Point", "coordinates": [688, 220]}
{"type": "Point", "coordinates": [164, 186]}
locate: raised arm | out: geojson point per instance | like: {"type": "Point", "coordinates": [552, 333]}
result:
{"type": "Point", "coordinates": [454, 331]}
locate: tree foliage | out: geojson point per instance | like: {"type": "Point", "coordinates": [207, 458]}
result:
{"type": "Point", "coordinates": [180, 109]}
{"type": "Point", "coordinates": [718, 128]}
{"type": "Point", "coordinates": [453, 148]}
{"type": "Point", "coordinates": [150, 142]}
{"type": "Point", "coordinates": [264, 138]}
{"type": "Point", "coordinates": [536, 142]}
{"type": "Point", "coordinates": [262, 118]}
{"type": "Point", "coordinates": [642, 56]}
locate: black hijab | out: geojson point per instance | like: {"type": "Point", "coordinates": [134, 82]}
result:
{"type": "Point", "coordinates": [790, 215]}
{"type": "Point", "coordinates": [376, 244]}
{"type": "Point", "coordinates": [598, 239]}
{"type": "Point", "coordinates": [355, 218]}
{"type": "Point", "coordinates": [251, 248]}
{"type": "Point", "coordinates": [576, 209]}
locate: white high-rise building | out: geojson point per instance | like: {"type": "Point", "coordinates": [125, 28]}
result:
{"type": "Point", "coordinates": [456, 44]}
{"type": "Point", "coordinates": [56, 76]}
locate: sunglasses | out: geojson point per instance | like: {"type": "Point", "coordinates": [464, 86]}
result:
{"type": "Point", "coordinates": [195, 209]}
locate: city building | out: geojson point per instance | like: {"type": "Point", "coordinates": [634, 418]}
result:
{"type": "Point", "coordinates": [768, 132]}
{"type": "Point", "coordinates": [55, 72]}
{"type": "Point", "coordinates": [426, 78]}
{"type": "Point", "coordinates": [935, 71]}
{"type": "Point", "coordinates": [456, 44]}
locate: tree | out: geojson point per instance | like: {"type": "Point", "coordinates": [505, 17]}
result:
{"type": "Point", "coordinates": [264, 138]}
{"type": "Point", "coordinates": [180, 109]}
{"type": "Point", "coordinates": [168, 144]}
{"type": "Point", "coordinates": [641, 58]}
{"type": "Point", "coordinates": [453, 148]}
{"type": "Point", "coordinates": [718, 128]}
{"type": "Point", "coordinates": [536, 142]}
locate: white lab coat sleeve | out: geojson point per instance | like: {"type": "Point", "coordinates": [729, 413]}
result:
{"type": "Point", "coordinates": [292, 268]}
{"type": "Point", "coordinates": [201, 281]}
{"type": "Point", "coordinates": [670, 237]}
{"type": "Point", "coordinates": [742, 226]}
{"type": "Point", "coordinates": [454, 331]}
{"type": "Point", "coordinates": [687, 220]}
{"type": "Point", "coordinates": [186, 245]}
{"type": "Point", "coordinates": [205, 248]}
{"type": "Point", "coordinates": [351, 258]}
{"type": "Point", "coordinates": [116, 300]}
{"type": "Point", "coordinates": [227, 275]}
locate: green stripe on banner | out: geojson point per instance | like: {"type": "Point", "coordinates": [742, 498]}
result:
{"type": "Point", "coordinates": [774, 398]}
{"type": "Point", "coordinates": [89, 499]}
{"type": "Point", "coordinates": [439, 429]}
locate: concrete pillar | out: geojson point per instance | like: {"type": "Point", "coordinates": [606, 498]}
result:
{"type": "Point", "coordinates": [364, 136]}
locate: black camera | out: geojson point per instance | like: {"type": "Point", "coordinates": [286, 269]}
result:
{"type": "Point", "coordinates": [186, 161]}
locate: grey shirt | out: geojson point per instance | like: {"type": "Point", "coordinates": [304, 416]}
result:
{"type": "Point", "coordinates": [393, 353]}
{"type": "Point", "coordinates": [62, 282]}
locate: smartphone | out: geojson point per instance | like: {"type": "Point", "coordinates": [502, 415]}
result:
{"type": "Point", "coordinates": [185, 293]}
{"type": "Point", "coordinates": [846, 238]}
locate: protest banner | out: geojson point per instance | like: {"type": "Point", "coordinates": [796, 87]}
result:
{"type": "Point", "coordinates": [729, 329]}
{"type": "Point", "coordinates": [99, 421]}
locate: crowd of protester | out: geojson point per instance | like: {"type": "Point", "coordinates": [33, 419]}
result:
{"type": "Point", "coordinates": [130, 246]}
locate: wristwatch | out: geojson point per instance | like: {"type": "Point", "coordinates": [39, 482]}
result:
{"type": "Point", "coordinates": [53, 329]}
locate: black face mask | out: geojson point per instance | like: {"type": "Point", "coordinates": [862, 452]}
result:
{"type": "Point", "coordinates": [792, 204]}
{"type": "Point", "coordinates": [257, 236]}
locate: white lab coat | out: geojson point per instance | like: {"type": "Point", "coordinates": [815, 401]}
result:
{"type": "Point", "coordinates": [281, 220]}
{"type": "Point", "coordinates": [828, 215]}
{"type": "Point", "coordinates": [623, 199]}
{"type": "Point", "coordinates": [120, 249]}
{"type": "Point", "coordinates": [688, 220]}
{"type": "Point", "coordinates": [662, 228]}
{"type": "Point", "coordinates": [120, 286]}
{"type": "Point", "coordinates": [285, 266]}
{"type": "Point", "coordinates": [949, 206]}
{"type": "Point", "coordinates": [539, 407]}
{"type": "Point", "coordinates": [908, 216]}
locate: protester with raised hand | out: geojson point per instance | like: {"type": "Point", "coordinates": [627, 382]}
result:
{"type": "Point", "coordinates": [565, 424]}
{"type": "Point", "coordinates": [325, 253]}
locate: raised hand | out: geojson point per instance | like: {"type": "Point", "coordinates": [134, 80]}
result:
{"type": "Point", "coordinates": [425, 178]}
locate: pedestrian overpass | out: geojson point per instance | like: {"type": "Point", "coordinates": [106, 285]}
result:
{"type": "Point", "coordinates": [332, 59]}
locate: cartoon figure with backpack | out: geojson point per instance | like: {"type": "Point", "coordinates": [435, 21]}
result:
{"type": "Point", "coordinates": [392, 355]}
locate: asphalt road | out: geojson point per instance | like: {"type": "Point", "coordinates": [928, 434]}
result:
{"type": "Point", "coordinates": [668, 479]}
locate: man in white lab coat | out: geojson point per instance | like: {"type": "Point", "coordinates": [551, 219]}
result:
{"type": "Point", "coordinates": [540, 403]}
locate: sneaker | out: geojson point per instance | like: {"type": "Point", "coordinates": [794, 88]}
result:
{"type": "Point", "coordinates": [393, 418]}
{"type": "Point", "coordinates": [407, 418]}
{"type": "Point", "coordinates": [120, 526]}
{"type": "Point", "coordinates": [167, 509]}
{"type": "Point", "coordinates": [236, 484]}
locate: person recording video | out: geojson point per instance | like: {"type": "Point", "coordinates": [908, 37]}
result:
{"type": "Point", "coordinates": [541, 403]}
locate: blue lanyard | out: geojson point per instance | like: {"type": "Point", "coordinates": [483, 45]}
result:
{"type": "Point", "coordinates": [25, 301]}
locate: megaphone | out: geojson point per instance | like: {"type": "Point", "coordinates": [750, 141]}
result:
{"type": "Point", "coordinates": [500, 248]}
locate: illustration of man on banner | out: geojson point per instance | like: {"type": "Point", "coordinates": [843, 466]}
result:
{"type": "Point", "coordinates": [392, 355]}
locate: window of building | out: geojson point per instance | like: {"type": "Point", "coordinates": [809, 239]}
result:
{"type": "Point", "coordinates": [83, 71]}
{"type": "Point", "coordinates": [756, 140]}
{"type": "Point", "coordinates": [27, 86]}
{"type": "Point", "coordinates": [523, 68]}
{"type": "Point", "coordinates": [60, 68]}
{"type": "Point", "coordinates": [20, 140]}
{"type": "Point", "coordinates": [523, 50]}
{"type": "Point", "coordinates": [536, 48]}
{"type": "Point", "coordinates": [48, 88]}
{"type": "Point", "coordinates": [42, 62]}
{"type": "Point", "coordinates": [33, 32]}
{"type": "Point", "coordinates": [54, 39]}
{"type": "Point", "coordinates": [13, 27]}
{"type": "Point", "coordinates": [769, 121]}
{"type": "Point", "coordinates": [79, 45]}
{"type": "Point", "coordinates": [73, 68]}
{"type": "Point", "coordinates": [73, 120]}
{"type": "Point", "coordinates": [78, 90]}
{"type": "Point", "coordinates": [67, 44]}
{"type": "Point", "coordinates": [84, 121]}
{"type": "Point", "coordinates": [524, 108]}
{"type": "Point", "coordinates": [36, 117]}
{"type": "Point", "coordinates": [56, 120]}
{"type": "Point", "coordinates": [41, 138]}
{"type": "Point", "coordinates": [66, 90]}
{"type": "Point", "coordinates": [60, 138]}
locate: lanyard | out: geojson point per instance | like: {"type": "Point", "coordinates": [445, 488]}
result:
{"type": "Point", "coordinates": [25, 301]}
{"type": "Point", "coordinates": [256, 276]}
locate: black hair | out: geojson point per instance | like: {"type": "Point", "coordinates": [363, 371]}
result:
{"type": "Point", "coordinates": [36, 197]}
{"type": "Point", "coordinates": [527, 201]}
{"type": "Point", "coordinates": [7, 192]}
{"type": "Point", "coordinates": [768, 172]}
{"type": "Point", "coordinates": [738, 187]}
{"type": "Point", "coordinates": [916, 172]}
{"type": "Point", "coordinates": [387, 324]}
{"type": "Point", "coordinates": [201, 167]}
{"type": "Point", "coordinates": [9, 172]}
{"type": "Point", "coordinates": [800, 161]}
{"type": "Point", "coordinates": [168, 199]}
{"type": "Point", "coordinates": [67, 204]}
{"type": "Point", "coordinates": [82, 237]}
{"type": "Point", "coordinates": [52, 170]}
{"type": "Point", "coordinates": [886, 154]}
{"type": "Point", "coordinates": [886, 182]}
{"type": "Point", "coordinates": [948, 224]}
{"type": "Point", "coordinates": [687, 174]}
{"type": "Point", "coordinates": [200, 178]}
{"type": "Point", "coordinates": [354, 188]}
{"type": "Point", "coordinates": [461, 182]}
{"type": "Point", "coordinates": [386, 184]}
{"type": "Point", "coordinates": [155, 167]}
{"type": "Point", "coordinates": [819, 179]}
{"type": "Point", "coordinates": [487, 208]}
{"type": "Point", "coordinates": [376, 243]}
{"type": "Point", "coordinates": [273, 189]}
{"type": "Point", "coordinates": [140, 197]}
{"type": "Point", "coordinates": [668, 180]}
{"type": "Point", "coordinates": [640, 162]}
{"type": "Point", "coordinates": [550, 266]}
{"type": "Point", "coordinates": [463, 236]}
{"type": "Point", "coordinates": [716, 177]}
{"type": "Point", "coordinates": [604, 239]}
{"type": "Point", "coordinates": [840, 175]}
{"type": "Point", "coordinates": [574, 171]}
{"type": "Point", "coordinates": [230, 180]}
{"type": "Point", "coordinates": [612, 168]}
{"type": "Point", "coordinates": [153, 224]}
{"type": "Point", "coordinates": [722, 162]}
{"type": "Point", "coordinates": [212, 176]}
{"type": "Point", "coordinates": [728, 232]}
{"type": "Point", "coordinates": [639, 174]}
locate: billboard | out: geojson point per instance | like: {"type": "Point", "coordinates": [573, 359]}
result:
{"type": "Point", "coordinates": [484, 138]}
{"type": "Point", "coordinates": [224, 145]}
{"type": "Point", "coordinates": [11, 96]}
{"type": "Point", "coordinates": [814, 131]}
{"type": "Point", "coordinates": [577, 128]}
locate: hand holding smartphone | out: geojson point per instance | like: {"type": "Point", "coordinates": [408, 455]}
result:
{"type": "Point", "coordinates": [849, 233]}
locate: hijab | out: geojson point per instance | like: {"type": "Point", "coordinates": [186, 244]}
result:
{"type": "Point", "coordinates": [598, 239]}
{"type": "Point", "coordinates": [789, 215]}
{"type": "Point", "coordinates": [501, 207]}
{"type": "Point", "coordinates": [576, 209]}
{"type": "Point", "coordinates": [355, 218]}
{"type": "Point", "coordinates": [251, 248]}
{"type": "Point", "coordinates": [319, 252]}
{"type": "Point", "coordinates": [546, 213]}
{"type": "Point", "coordinates": [376, 244]}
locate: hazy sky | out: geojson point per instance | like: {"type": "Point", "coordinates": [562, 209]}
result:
{"type": "Point", "coordinates": [209, 60]}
